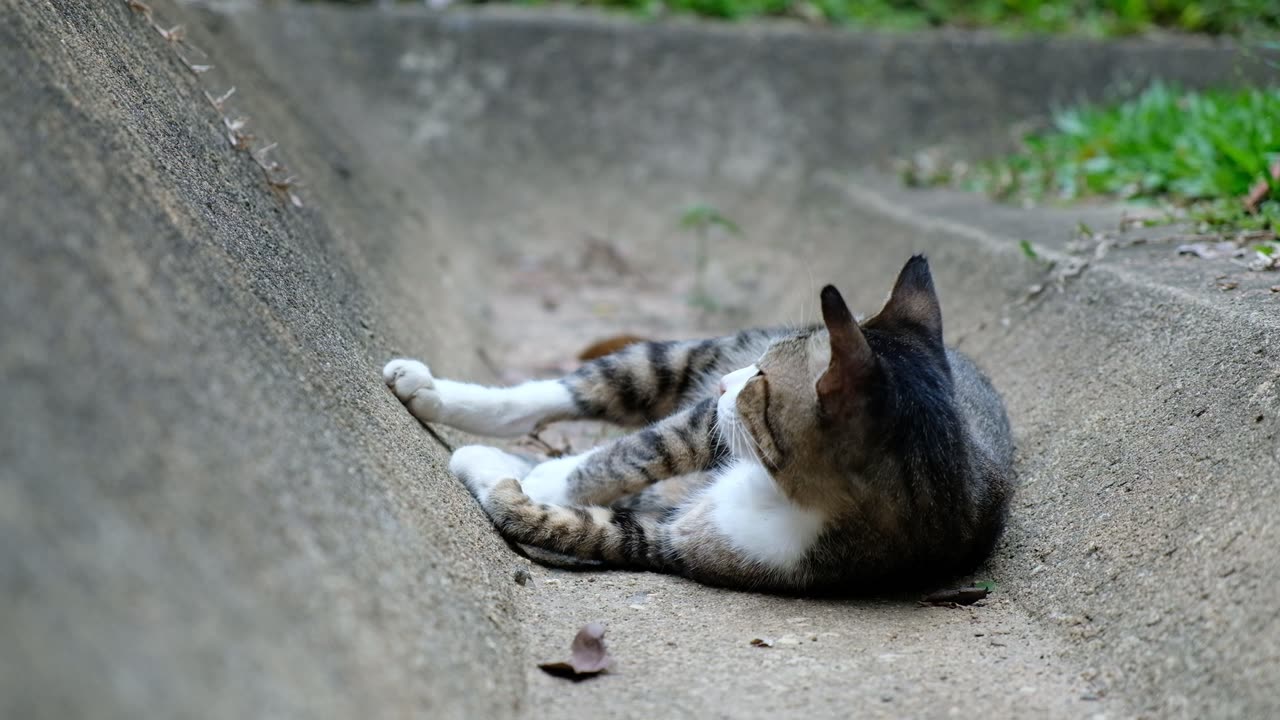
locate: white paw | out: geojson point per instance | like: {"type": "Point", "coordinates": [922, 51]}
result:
{"type": "Point", "coordinates": [548, 482]}
{"type": "Point", "coordinates": [481, 467]}
{"type": "Point", "coordinates": [411, 381]}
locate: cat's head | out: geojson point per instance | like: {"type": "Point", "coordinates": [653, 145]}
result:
{"type": "Point", "coordinates": [841, 396]}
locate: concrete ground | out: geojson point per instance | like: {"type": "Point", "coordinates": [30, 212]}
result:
{"type": "Point", "coordinates": [211, 506]}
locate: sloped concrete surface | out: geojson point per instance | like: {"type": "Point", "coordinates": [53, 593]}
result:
{"type": "Point", "coordinates": [211, 506]}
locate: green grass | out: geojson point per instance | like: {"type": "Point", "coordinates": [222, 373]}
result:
{"type": "Point", "coordinates": [1105, 18]}
{"type": "Point", "coordinates": [1197, 151]}
{"type": "Point", "coordinates": [1099, 18]}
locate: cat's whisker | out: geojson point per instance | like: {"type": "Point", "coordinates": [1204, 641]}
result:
{"type": "Point", "coordinates": [804, 319]}
{"type": "Point", "coordinates": [753, 446]}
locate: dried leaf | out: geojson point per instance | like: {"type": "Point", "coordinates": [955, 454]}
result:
{"type": "Point", "coordinates": [608, 346]}
{"type": "Point", "coordinates": [762, 642]}
{"type": "Point", "coordinates": [958, 596]}
{"type": "Point", "coordinates": [1261, 189]}
{"type": "Point", "coordinates": [535, 439]}
{"type": "Point", "coordinates": [588, 656]}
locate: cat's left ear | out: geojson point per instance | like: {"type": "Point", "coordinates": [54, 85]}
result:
{"type": "Point", "coordinates": [913, 301]}
{"type": "Point", "coordinates": [852, 360]}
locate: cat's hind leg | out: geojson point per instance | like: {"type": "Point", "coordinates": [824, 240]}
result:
{"type": "Point", "coordinates": [619, 537]}
{"type": "Point", "coordinates": [679, 538]}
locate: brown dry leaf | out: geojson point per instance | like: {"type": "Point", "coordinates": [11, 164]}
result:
{"type": "Point", "coordinates": [761, 642]}
{"type": "Point", "coordinates": [588, 656]}
{"type": "Point", "coordinates": [534, 439]}
{"type": "Point", "coordinates": [1261, 189]}
{"type": "Point", "coordinates": [608, 346]}
{"type": "Point", "coordinates": [958, 596]}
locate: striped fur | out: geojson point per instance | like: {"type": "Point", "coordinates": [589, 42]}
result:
{"type": "Point", "coordinates": [838, 457]}
{"type": "Point", "coordinates": [620, 537]}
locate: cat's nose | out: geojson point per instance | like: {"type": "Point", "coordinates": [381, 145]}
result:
{"type": "Point", "coordinates": [722, 387]}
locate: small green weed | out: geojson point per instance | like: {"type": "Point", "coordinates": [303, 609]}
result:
{"type": "Point", "coordinates": [703, 220]}
{"type": "Point", "coordinates": [1099, 18]}
{"type": "Point", "coordinates": [1201, 151]}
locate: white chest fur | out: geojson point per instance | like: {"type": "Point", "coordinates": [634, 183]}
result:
{"type": "Point", "coordinates": [758, 519]}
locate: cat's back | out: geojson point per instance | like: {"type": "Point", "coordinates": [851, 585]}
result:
{"type": "Point", "coordinates": [984, 412]}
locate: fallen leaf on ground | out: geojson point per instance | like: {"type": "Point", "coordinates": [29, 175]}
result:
{"type": "Point", "coordinates": [608, 346]}
{"type": "Point", "coordinates": [761, 642]}
{"type": "Point", "coordinates": [1261, 189]}
{"type": "Point", "coordinates": [534, 439]}
{"type": "Point", "coordinates": [958, 596]}
{"type": "Point", "coordinates": [588, 656]}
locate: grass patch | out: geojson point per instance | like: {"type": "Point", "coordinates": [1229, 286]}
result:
{"type": "Point", "coordinates": [1098, 18]}
{"type": "Point", "coordinates": [1198, 152]}
{"type": "Point", "coordinates": [1103, 18]}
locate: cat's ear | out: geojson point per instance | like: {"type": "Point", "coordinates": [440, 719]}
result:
{"type": "Point", "coordinates": [851, 356]}
{"type": "Point", "coordinates": [913, 300]}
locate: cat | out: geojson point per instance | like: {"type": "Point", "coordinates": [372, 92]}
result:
{"type": "Point", "coordinates": [835, 458]}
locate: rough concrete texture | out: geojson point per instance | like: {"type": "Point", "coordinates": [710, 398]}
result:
{"type": "Point", "coordinates": [217, 510]}
{"type": "Point", "coordinates": [211, 507]}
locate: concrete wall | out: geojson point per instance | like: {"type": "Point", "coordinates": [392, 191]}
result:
{"type": "Point", "coordinates": [210, 505]}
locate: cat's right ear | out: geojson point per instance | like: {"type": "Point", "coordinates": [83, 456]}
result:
{"type": "Point", "coordinates": [851, 356]}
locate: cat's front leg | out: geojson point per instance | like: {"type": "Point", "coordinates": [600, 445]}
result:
{"type": "Point", "coordinates": [499, 412]}
{"type": "Point", "coordinates": [684, 443]}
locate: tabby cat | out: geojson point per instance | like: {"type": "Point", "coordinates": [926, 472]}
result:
{"type": "Point", "coordinates": [831, 458]}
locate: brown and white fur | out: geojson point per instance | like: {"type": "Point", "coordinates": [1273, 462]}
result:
{"type": "Point", "coordinates": [838, 457]}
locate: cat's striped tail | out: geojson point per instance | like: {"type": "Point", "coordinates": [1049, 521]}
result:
{"type": "Point", "coordinates": [618, 537]}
